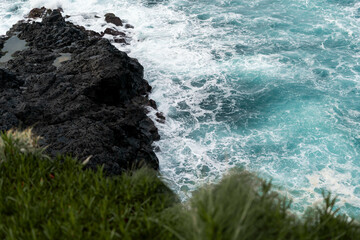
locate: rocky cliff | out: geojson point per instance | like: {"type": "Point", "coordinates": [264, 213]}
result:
{"type": "Point", "coordinates": [79, 92]}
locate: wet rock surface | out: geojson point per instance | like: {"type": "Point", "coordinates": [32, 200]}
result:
{"type": "Point", "coordinates": [114, 32]}
{"type": "Point", "coordinates": [111, 18]}
{"type": "Point", "coordinates": [37, 12]}
{"type": "Point", "coordinates": [129, 26]}
{"type": "Point", "coordinates": [90, 103]}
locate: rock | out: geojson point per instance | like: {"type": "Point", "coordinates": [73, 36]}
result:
{"type": "Point", "coordinates": [111, 18]}
{"type": "Point", "coordinates": [54, 17]}
{"type": "Point", "coordinates": [91, 103]}
{"type": "Point", "coordinates": [37, 12]}
{"type": "Point", "coordinates": [152, 104]}
{"type": "Point", "coordinates": [161, 117]}
{"type": "Point", "coordinates": [129, 26]}
{"type": "Point", "coordinates": [2, 41]}
{"type": "Point", "coordinates": [113, 32]}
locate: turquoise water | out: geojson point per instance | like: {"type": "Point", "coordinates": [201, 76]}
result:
{"type": "Point", "coordinates": [270, 85]}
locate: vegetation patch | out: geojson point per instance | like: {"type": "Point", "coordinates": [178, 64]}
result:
{"type": "Point", "coordinates": [44, 198]}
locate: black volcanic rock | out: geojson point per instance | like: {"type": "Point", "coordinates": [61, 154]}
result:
{"type": "Point", "coordinates": [129, 26]}
{"type": "Point", "coordinates": [80, 93]}
{"type": "Point", "coordinates": [114, 32]}
{"type": "Point", "coordinates": [111, 18]}
{"type": "Point", "coordinates": [37, 12]}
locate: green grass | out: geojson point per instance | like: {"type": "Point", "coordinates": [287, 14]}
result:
{"type": "Point", "coordinates": [243, 206]}
{"type": "Point", "coordinates": [44, 198]}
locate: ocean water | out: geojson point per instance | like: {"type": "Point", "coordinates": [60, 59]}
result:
{"type": "Point", "coordinates": [269, 85]}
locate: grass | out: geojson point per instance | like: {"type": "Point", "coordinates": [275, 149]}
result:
{"type": "Point", "coordinates": [243, 206]}
{"type": "Point", "coordinates": [44, 198]}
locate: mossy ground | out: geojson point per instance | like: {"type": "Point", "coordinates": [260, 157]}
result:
{"type": "Point", "coordinates": [44, 198]}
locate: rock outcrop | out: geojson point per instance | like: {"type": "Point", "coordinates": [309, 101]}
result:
{"type": "Point", "coordinates": [80, 93]}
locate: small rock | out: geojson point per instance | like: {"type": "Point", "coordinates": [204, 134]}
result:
{"type": "Point", "coordinates": [111, 18]}
{"type": "Point", "coordinates": [152, 104]}
{"type": "Point", "coordinates": [129, 26]}
{"type": "Point", "coordinates": [37, 12]}
{"type": "Point", "coordinates": [161, 117]}
{"type": "Point", "coordinates": [54, 16]}
{"type": "Point", "coordinates": [114, 32]}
